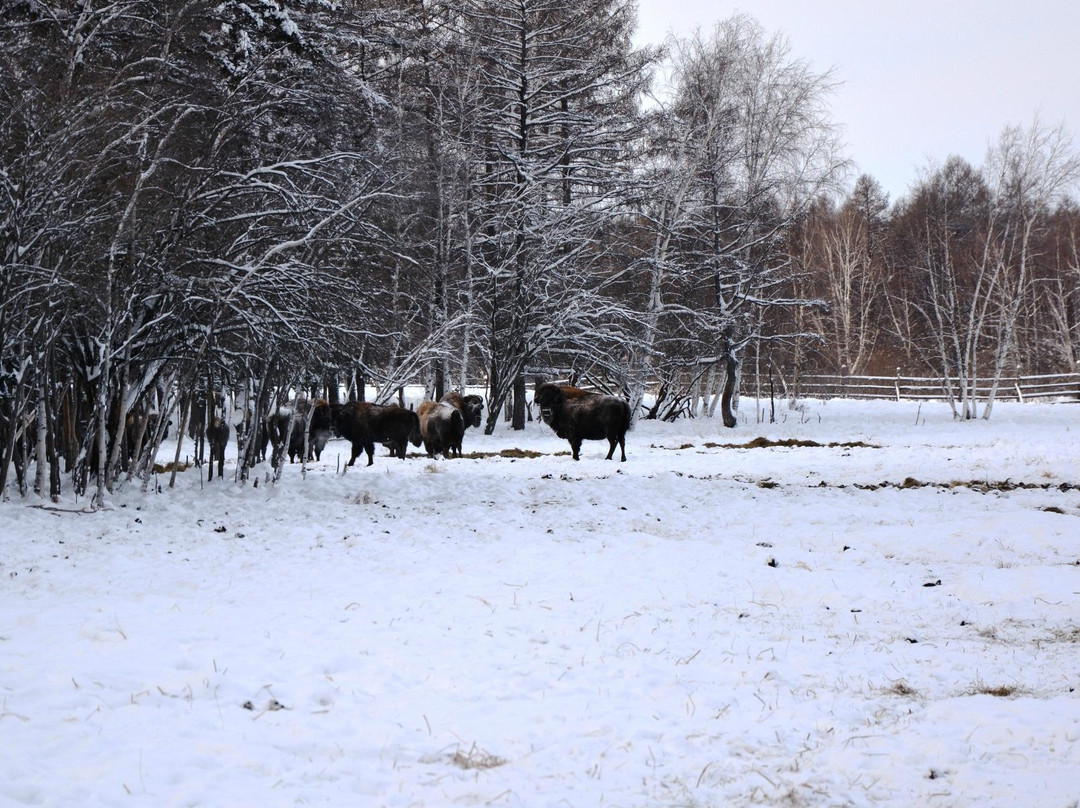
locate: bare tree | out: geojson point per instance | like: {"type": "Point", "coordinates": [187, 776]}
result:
{"type": "Point", "coordinates": [558, 84]}
{"type": "Point", "coordinates": [760, 147]}
{"type": "Point", "coordinates": [843, 255]}
{"type": "Point", "coordinates": [975, 242]}
{"type": "Point", "coordinates": [1030, 171]}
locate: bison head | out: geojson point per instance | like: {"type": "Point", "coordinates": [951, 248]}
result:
{"type": "Point", "coordinates": [472, 409]}
{"type": "Point", "coordinates": [337, 418]}
{"type": "Point", "coordinates": [415, 436]}
{"type": "Point", "coordinates": [548, 398]}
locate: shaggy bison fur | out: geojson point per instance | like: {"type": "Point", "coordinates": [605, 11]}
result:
{"type": "Point", "coordinates": [471, 407]}
{"type": "Point", "coordinates": [217, 435]}
{"type": "Point", "coordinates": [579, 415]}
{"type": "Point", "coordinates": [364, 425]}
{"type": "Point", "coordinates": [441, 427]}
{"type": "Point", "coordinates": [319, 428]}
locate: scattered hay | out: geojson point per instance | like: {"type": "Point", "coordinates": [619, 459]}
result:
{"type": "Point", "coordinates": [167, 468]}
{"type": "Point", "coordinates": [515, 452]}
{"type": "Point", "coordinates": [1001, 691]}
{"type": "Point", "coordinates": [978, 486]}
{"type": "Point", "coordinates": [476, 758]}
{"type": "Point", "coordinates": [1067, 635]}
{"type": "Point", "coordinates": [789, 443]}
{"type": "Point", "coordinates": [901, 688]}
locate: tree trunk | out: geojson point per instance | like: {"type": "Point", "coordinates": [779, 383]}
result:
{"type": "Point", "coordinates": [731, 388]}
{"type": "Point", "coordinates": [519, 402]}
{"type": "Point", "coordinates": [42, 434]}
{"type": "Point", "coordinates": [185, 412]}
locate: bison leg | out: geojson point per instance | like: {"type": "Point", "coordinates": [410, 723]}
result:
{"type": "Point", "coordinates": [576, 446]}
{"type": "Point", "coordinates": [612, 442]}
{"type": "Point", "coordinates": [369, 448]}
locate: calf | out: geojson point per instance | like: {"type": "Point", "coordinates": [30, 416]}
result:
{"type": "Point", "coordinates": [579, 415]}
{"type": "Point", "coordinates": [364, 425]}
{"type": "Point", "coordinates": [441, 427]}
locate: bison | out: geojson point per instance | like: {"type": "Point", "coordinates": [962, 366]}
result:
{"type": "Point", "coordinates": [319, 427]}
{"type": "Point", "coordinates": [217, 435]}
{"type": "Point", "coordinates": [364, 425]}
{"type": "Point", "coordinates": [471, 407]}
{"type": "Point", "coordinates": [136, 427]}
{"type": "Point", "coordinates": [442, 427]}
{"type": "Point", "coordinates": [579, 415]}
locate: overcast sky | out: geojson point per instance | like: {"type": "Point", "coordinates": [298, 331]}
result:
{"type": "Point", "coordinates": [920, 79]}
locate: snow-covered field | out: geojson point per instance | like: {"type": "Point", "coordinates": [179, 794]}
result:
{"type": "Point", "coordinates": [698, 626]}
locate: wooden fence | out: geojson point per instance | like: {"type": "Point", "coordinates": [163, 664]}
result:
{"type": "Point", "coordinates": [1012, 388]}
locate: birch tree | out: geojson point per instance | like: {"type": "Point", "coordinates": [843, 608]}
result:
{"type": "Point", "coordinates": [847, 265]}
{"type": "Point", "coordinates": [979, 237]}
{"type": "Point", "coordinates": [760, 147]}
{"type": "Point", "coordinates": [1030, 172]}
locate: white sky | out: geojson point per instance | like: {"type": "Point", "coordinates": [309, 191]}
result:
{"type": "Point", "coordinates": [920, 79]}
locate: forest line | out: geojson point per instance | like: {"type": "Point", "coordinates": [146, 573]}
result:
{"type": "Point", "coordinates": [202, 200]}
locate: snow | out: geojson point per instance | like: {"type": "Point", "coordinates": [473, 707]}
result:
{"type": "Point", "coordinates": [698, 626]}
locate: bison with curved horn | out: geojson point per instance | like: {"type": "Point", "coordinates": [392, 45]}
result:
{"type": "Point", "coordinates": [579, 415]}
{"type": "Point", "coordinates": [442, 427]}
{"type": "Point", "coordinates": [364, 425]}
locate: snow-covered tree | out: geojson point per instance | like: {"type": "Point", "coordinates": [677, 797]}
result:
{"type": "Point", "coordinates": [558, 85]}
{"type": "Point", "coordinates": [751, 145]}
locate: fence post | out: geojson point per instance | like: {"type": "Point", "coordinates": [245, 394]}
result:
{"type": "Point", "coordinates": [897, 384]}
{"type": "Point", "coordinates": [1019, 392]}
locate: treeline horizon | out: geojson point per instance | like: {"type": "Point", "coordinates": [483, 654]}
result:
{"type": "Point", "coordinates": [201, 198]}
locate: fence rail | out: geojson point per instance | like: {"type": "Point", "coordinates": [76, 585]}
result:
{"type": "Point", "coordinates": [1013, 388]}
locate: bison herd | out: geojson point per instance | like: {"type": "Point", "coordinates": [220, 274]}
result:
{"type": "Point", "coordinates": [439, 426]}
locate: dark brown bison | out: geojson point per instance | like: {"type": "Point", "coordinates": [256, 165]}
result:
{"type": "Point", "coordinates": [137, 426]}
{"type": "Point", "coordinates": [217, 435]}
{"type": "Point", "coordinates": [364, 425]}
{"type": "Point", "coordinates": [319, 427]}
{"type": "Point", "coordinates": [441, 427]}
{"type": "Point", "coordinates": [471, 407]}
{"type": "Point", "coordinates": [579, 415]}
{"type": "Point", "coordinates": [261, 438]}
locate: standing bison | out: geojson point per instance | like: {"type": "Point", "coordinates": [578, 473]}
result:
{"type": "Point", "coordinates": [364, 425]}
{"type": "Point", "coordinates": [578, 415]}
{"type": "Point", "coordinates": [217, 435]}
{"type": "Point", "coordinates": [318, 430]}
{"type": "Point", "coordinates": [471, 407]}
{"type": "Point", "coordinates": [442, 427]}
